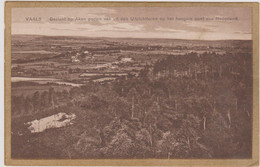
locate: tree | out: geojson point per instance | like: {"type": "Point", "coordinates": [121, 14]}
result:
{"type": "Point", "coordinates": [51, 97]}
{"type": "Point", "coordinates": [36, 101]}
{"type": "Point", "coordinates": [44, 99]}
{"type": "Point", "coordinates": [133, 95]}
{"type": "Point", "coordinates": [143, 144]}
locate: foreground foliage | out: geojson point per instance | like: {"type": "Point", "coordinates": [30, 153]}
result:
{"type": "Point", "coordinates": [191, 106]}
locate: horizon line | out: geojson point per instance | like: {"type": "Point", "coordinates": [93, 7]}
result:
{"type": "Point", "coordinates": [137, 38]}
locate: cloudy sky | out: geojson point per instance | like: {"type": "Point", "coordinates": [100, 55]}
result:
{"type": "Point", "coordinates": [137, 22]}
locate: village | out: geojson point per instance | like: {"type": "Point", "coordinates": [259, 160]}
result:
{"type": "Point", "coordinates": [81, 67]}
{"type": "Point", "coordinates": [80, 60]}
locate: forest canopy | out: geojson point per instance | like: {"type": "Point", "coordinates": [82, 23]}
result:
{"type": "Point", "coordinates": [189, 106]}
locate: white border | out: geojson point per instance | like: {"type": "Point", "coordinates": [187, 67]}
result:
{"type": "Point", "coordinates": [2, 55]}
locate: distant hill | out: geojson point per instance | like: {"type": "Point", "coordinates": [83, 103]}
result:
{"type": "Point", "coordinates": [35, 46]}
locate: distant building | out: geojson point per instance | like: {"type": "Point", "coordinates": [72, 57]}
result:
{"type": "Point", "coordinates": [75, 60]}
{"type": "Point", "coordinates": [126, 59]}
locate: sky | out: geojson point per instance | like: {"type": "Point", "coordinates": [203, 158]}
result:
{"type": "Point", "coordinates": [136, 22]}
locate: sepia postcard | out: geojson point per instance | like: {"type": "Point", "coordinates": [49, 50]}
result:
{"type": "Point", "coordinates": [131, 84]}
